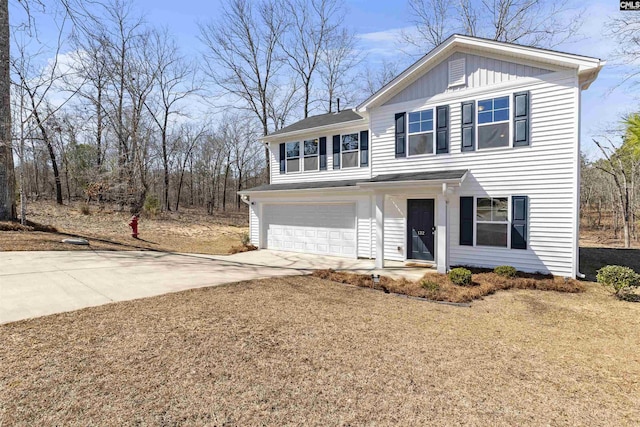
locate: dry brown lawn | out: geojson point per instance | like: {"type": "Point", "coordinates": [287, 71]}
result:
{"type": "Point", "coordinates": [189, 230]}
{"type": "Point", "coordinates": [306, 351]}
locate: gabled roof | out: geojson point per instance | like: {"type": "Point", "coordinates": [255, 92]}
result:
{"type": "Point", "coordinates": [586, 67]}
{"type": "Point", "coordinates": [322, 121]}
{"type": "Point", "coordinates": [398, 178]}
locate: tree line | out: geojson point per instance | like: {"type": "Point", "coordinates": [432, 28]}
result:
{"type": "Point", "coordinates": [114, 110]}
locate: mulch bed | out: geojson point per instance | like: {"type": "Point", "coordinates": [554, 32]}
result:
{"type": "Point", "coordinates": [438, 287]}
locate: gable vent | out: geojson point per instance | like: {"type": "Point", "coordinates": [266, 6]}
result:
{"type": "Point", "coordinates": [457, 72]}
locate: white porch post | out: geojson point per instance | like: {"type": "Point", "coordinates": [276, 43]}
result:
{"type": "Point", "coordinates": [442, 261]}
{"type": "Point", "coordinates": [379, 230]}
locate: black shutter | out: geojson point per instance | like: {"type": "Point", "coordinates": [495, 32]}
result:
{"type": "Point", "coordinates": [521, 119]}
{"type": "Point", "coordinates": [442, 129]}
{"type": "Point", "coordinates": [466, 221]}
{"type": "Point", "coordinates": [364, 148]}
{"type": "Point", "coordinates": [336, 151]}
{"type": "Point", "coordinates": [468, 120]}
{"type": "Point", "coordinates": [323, 153]}
{"type": "Point", "coordinates": [283, 161]}
{"type": "Point", "coordinates": [401, 133]}
{"type": "Point", "coordinates": [519, 222]}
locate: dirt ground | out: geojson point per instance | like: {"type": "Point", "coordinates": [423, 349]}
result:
{"type": "Point", "coordinates": [305, 351]}
{"type": "Point", "coordinates": [189, 230]}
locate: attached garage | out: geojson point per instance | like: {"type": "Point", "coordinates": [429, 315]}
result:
{"type": "Point", "coordinates": [319, 228]}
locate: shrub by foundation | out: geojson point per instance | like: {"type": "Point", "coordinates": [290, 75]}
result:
{"type": "Point", "coordinates": [460, 276]}
{"type": "Point", "coordinates": [505, 271]}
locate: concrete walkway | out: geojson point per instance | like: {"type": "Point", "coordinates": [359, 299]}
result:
{"type": "Point", "coordinates": [39, 283]}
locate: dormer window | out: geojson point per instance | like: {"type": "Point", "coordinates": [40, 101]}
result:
{"type": "Point", "coordinates": [293, 157]}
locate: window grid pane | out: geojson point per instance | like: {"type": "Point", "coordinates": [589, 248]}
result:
{"type": "Point", "coordinates": [421, 121]}
{"type": "Point", "coordinates": [350, 142]}
{"type": "Point", "coordinates": [293, 150]}
{"type": "Point", "coordinates": [493, 110]}
{"type": "Point", "coordinates": [311, 147]}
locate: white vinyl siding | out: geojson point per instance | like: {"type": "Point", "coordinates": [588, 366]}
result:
{"type": "Point", "coordinates": [481, 71]}
{"type": "Point", "coordinates": [254, 229]}
{"type": "Point", "coordinates": [329, 174]}
{"type": "Point", "coordinates": [545, 171]}
{"type": "Point", "coordinates": [395, 228]}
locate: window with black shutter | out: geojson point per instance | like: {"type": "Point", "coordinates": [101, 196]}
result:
{"type": "Point", "coordinates": [283, 160]}
{"type": "Point", "coordinates": [466, 221]}
{"type": "Point", "coordinates": [521, 119]}
{"type": "Point", "coordinates": [442, 129]}
{"type": "Point", "coordinates": [519, 222]}
{"type": "Point", "coordinates": [323, 153]}
{"type": "Point", "coordinates": [364, 148]}
{"type": "Point", "coordinates": [401, 135]}
{"type": "Point", "coordinates": [467, 130]}
{"type": "Point", "coordinates": [336, 151]}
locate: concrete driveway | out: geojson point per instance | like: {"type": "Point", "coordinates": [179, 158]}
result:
{"type": "Point", "coordinates": [39, 283]}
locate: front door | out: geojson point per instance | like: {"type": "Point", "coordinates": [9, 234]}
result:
{"type": "Point", "coordinates": [420, 229]}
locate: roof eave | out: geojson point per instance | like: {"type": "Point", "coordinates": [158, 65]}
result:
{"type": "Point", "coordinates": [286, 135]}
{"type": "Point", "coordinates": [581, 63]}
{"type": "Point", "coordinates": [293, 190]}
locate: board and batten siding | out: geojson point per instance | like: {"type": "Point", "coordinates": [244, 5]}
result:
{"type": "Point", "coordinates": [480, 71]}
{"type": "Point", "coordinates": [321, 175]}
{"type": "Point", "coordinates": [546, 171]}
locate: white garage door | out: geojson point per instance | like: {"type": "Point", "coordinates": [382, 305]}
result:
{"type": "Point", "coordinates": [327, 229]}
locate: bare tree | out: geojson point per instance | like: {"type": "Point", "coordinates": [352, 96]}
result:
{"type": "Point", "coordinates": [625, 28]}
{"type": "Point", "coordinates": [7, 178]}
{"type": "Point", "coordinates": [338, 63]}
{"type": "Point", "coordinates": [541, 23]}
{"type": "Point", "coordinates": [172, 86]}
{"type": "Point", "coordinates": [374, 79]}
{"type": "Point", "coordinates": [311, 24]}
{"type": "Point", "coordinates": [622, 163]}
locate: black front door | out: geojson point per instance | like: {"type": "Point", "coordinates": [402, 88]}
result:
{"type": "Point", "coordinates": [420, 229]}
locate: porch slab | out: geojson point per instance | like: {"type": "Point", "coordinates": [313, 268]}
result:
{"type": "Point", "coordinates": [306, 263]}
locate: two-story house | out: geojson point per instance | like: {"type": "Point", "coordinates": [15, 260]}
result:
{"type": "Point", "coordinates": [469, 157]}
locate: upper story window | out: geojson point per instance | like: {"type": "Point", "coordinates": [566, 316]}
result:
{"type": "Point", "coordinates": [421, 132]}
{"type": "Point", "coordinates": [350, 146]}
{"type": "Point", "coordinates": [493, 122]}
{"type": "Point", "coordinates": [311, 154]}
{"type": "Point", "coordinates": [293, 156]}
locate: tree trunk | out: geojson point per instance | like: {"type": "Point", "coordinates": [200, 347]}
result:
{"type": "Point", "coordinates": [7, 177]}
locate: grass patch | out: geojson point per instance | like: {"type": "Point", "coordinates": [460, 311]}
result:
{"type": "Point", "coordinates": [438, 287]}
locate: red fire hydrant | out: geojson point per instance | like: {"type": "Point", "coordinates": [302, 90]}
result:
{"type": "Point", "coordinates": [134, 226]}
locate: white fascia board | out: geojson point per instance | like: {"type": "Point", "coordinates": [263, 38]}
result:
{"type": "Point", "coordinates": [579, 63]}
{"type": "Point", "coordinates": [288, 135]}
{"type": "Point", "coordinates": [298, 190]}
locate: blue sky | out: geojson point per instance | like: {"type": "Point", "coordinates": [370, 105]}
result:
{"type": "Point", "coordinates": [378, 23]}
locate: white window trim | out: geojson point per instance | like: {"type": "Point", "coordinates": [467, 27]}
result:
{"type": "Point", "coordinates": [432, 132]}
{"type": "Point", "coordinates": [286, 158]}
{"type": "Point", "coordinates": [475, 221]}
{"type": "Point", "coordinates": [317, 155]}
{"type": "Point", "coordinates": [357, 134]}
{"type": "Point", "coordinates": [509, 121]}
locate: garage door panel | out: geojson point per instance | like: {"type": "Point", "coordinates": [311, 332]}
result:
{"type": "Point", "coordinates": [315, 228]}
